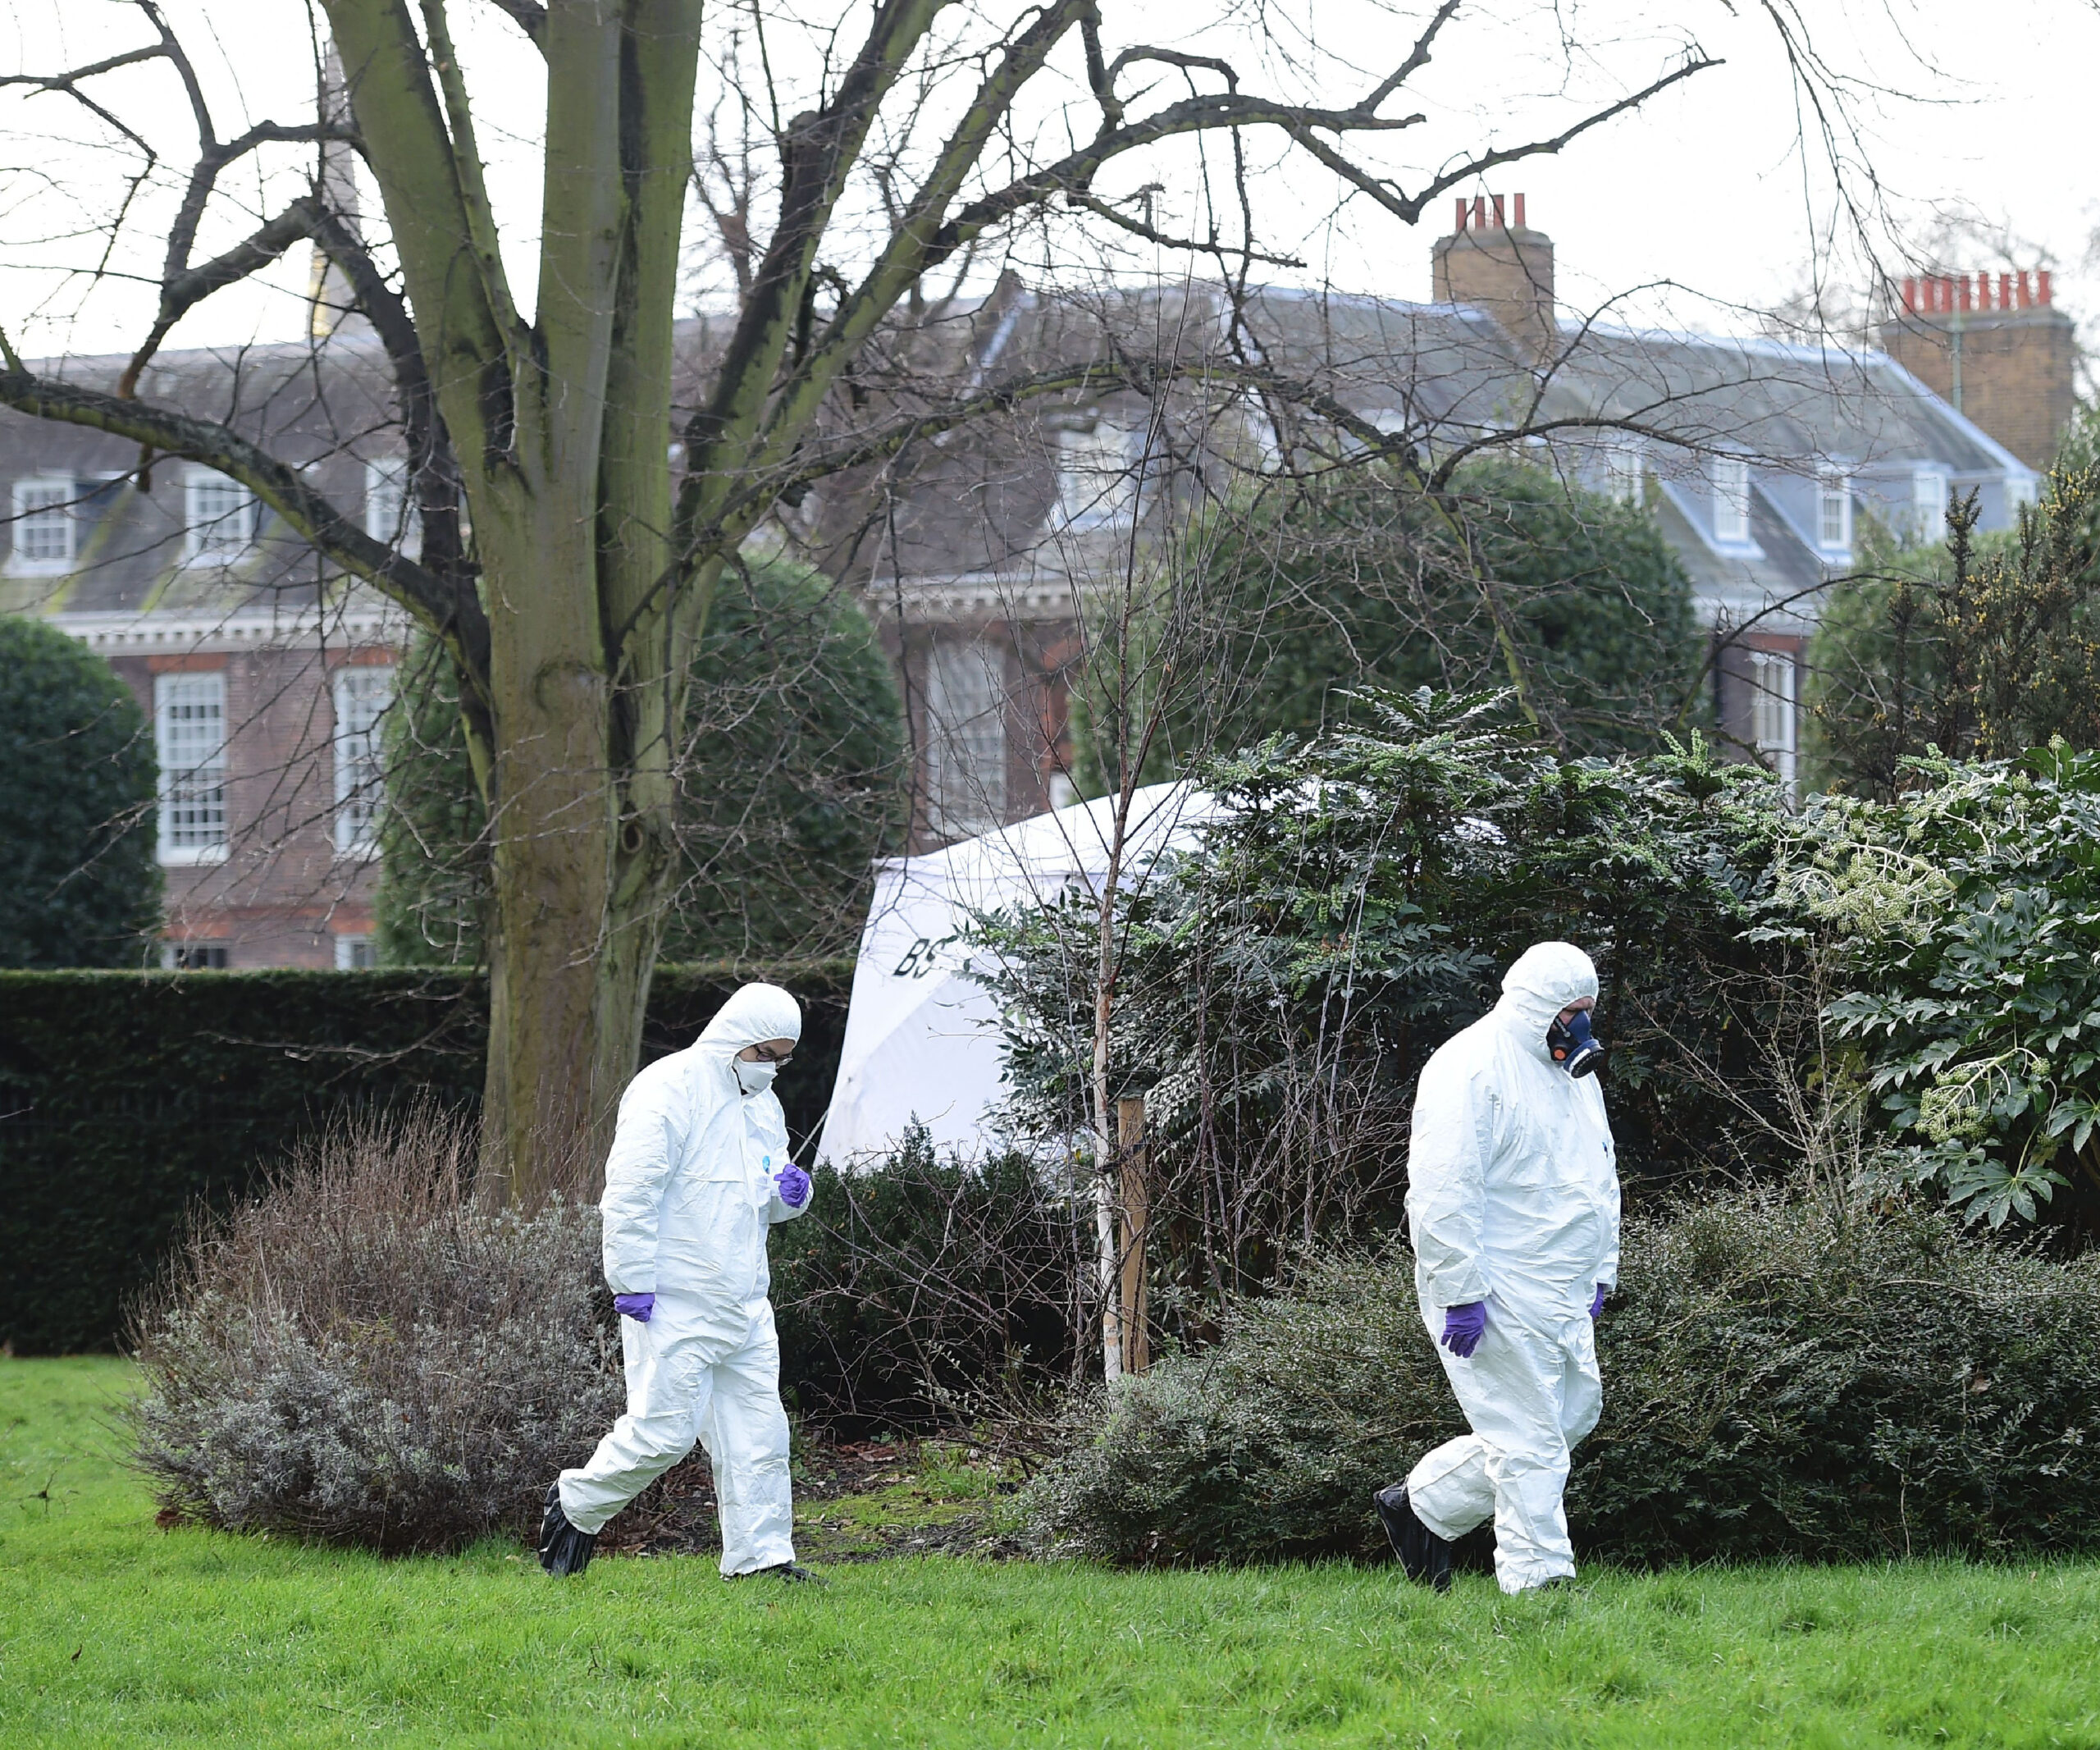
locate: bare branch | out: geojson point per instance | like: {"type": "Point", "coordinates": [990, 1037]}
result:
{"type": "Point", "coordinates": [1139, 228]}
{"type": "Point", "coordinates": [1410, 207]}
{"type": "Point", "coordinates": [184, 290]}
{"type": "Point", "coordinates": [1417, 56]}
{"type": "Point", "coordinates": [530, 16]}
{"type": "Point", "coordinates": [467, 159]}
{"type": "Point", "coordinates": [456, 619]}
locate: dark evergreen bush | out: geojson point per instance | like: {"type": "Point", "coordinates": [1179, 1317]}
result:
{"type": "Point", "coordinates": [371, 1354]}
{"type": "Point", "coordinates": [1781, 1378]}
{"type": "Point", "coordinates": [79, 886]}
{"type": "Point", "coordinates": [922, 1288]}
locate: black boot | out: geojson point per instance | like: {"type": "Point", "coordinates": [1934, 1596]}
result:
{"type": "Point", "coordinates": [1424, 1556]}
{"type": "Point", "coordinates": [793, 1572]}
{"type": "Point", "coordinates": [563, 1549]}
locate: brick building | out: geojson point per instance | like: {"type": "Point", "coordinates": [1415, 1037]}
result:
{"type": "Point", "coordinates": [264, 674]}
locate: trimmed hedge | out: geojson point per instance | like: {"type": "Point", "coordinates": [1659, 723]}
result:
{"type": "Point", "coordinates": [126, 1098]}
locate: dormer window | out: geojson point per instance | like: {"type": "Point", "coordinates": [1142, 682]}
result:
{"type": "Point", "coordinates": [1626, 469]}
{"type": "Point", "coordinates": [219, 518]}
{"type": "Point", "coordinates": [1834, 514]}
{"type": "Point", "coordinates": [1730, 476]}
{"type": "Point", "coordinates": [1096, 486]}
{"type": "Point", "coordinates": [44, 524]}
{"type": "Point", "coordinates": [1927, 503]}
{"type": "Point", "coordinates": [389, 513]}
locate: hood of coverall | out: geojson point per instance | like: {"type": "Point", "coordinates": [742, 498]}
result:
{"type": "Point", "coordinates": [1546, 977]}
{"type": "Point", "coordinates": [754, 1014]}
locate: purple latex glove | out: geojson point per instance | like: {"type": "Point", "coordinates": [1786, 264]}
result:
{"type": "Point", "coordinates": [1462, 1327]}
{"type": "Point", "coordinates": [636, 1307]}
{"type": "Point", "coordinates": [1597, 1305]}
{"type": "Point", "coordinates": [794, 1185]}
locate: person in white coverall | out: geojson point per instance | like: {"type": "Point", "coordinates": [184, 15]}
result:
{"type": "Point", "coordinates": [1513, 1203]}
{"type": "Point", "coordinates": [698, 1174]}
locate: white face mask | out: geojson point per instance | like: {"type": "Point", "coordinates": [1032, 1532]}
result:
{"type": "Point", "coordinates": [753, 1078]}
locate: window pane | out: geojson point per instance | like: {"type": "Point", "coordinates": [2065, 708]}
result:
{"type": "Point", "coordinates": [1625, 468]}
{"type": "Point", "coordinates": [44, 520]}
{"type": "Point", "coordinates": [1731, 479]}
{"type": "Point", "coordinates": [965, 739]}
{"type": "Point", "coordinates": [1096, 484]}
{"type": "Point", "coordinates": [189, 733]}
{"type": "Point", "coordinates": [1834, 520]}
{"type": "Point", "coordinates": [219, 516]}
{"type": "Point", "coordinates": [361, 696]}
{"type": "Point", "coordinates": [390, 515]}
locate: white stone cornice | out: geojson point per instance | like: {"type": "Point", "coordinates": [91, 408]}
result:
{"type": "Point", "coordinates": [163, 633]}
{"type": "Point", "coordinates": [1035, 595]}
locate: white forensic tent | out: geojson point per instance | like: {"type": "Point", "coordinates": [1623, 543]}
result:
{"type": "Point", "coordinates": [922, 1037]}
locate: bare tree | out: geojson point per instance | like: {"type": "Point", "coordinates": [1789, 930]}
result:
{"type": "Point", "coordinates": [569, 609]}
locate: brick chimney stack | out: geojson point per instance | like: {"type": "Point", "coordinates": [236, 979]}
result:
{"type": "Point", "coordinates": [1996, 347]}
{"type": "Point", "coordinates": [1493, 262]}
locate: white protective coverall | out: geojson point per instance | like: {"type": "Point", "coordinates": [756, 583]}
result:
{"type": "Point", "coordinates": [690, 1196]}
{"type": "Point", "coordinates": [1512, 1199]}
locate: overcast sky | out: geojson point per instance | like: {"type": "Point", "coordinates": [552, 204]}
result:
{"type": "Point", "coordinates": [1707, 188]}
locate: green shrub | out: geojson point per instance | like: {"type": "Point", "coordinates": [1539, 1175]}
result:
{"type": "Point", "coordinates": [1963, 920]}
{"type": "Point", "coordinates": [923, 1288]}
{"type": "Point", "coordinates": [1280, 988]}
{"type": "Point", "coordinates": [369, 1354]}
{"type": "Point", "coordinates": [79, 884]}
{"type": "Point", "coordinates": [1781, 1378]}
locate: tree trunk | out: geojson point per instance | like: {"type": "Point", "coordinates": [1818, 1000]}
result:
{"type": "Point", "coordinates": [1137, 1214]}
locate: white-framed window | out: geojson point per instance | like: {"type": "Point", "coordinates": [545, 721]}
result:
{"type": "Point", "coordinates": [1833, 513]}
{"type": "Point", "coordinates": [219, 518]}
{"type": "Point", "coordinates": [965, 738]}
{"type": "Point", "coordinates": [1097, 484]}
{"type": "Point", "coordinates": [362, 692]}
{"type": "Point", "coordinates": [194, 956]}
{"type": "Point", "coordinates": [45, 524]}
{"type": "Point", "coordinates": [1927, 503]}
{"type": "Point", "coordinates": [2019, 489]}
{"type": "Point", "coordinates": [355, 954]}
{"type": "Point", "coordinates": [1730, 476]}
{"type": "Point", "coordinates": [1773, 713]}
{"type": "Point", "coordinates": [1626, 472]}
{"type": "Point", "coordinates": [389, 511]}
{"type": "Point", "coordinates": [189, 735]}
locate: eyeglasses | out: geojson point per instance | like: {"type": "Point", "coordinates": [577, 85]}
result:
{"type": "Point", "coordinates": [767, 1056]}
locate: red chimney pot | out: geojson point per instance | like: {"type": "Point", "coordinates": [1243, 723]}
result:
{"type": "Point", "coordinates": [1520, 212]}
{"type": "Point", "coordinates": [1479, 213]}
{"type": "Point", "coordinates": [1500, 223]}
{"type": "Point", "coordinates": [2042, 293]}
{"type": "Point", "coordinates": [2005, 291]}
{"type": "Point", "coordinates": [1910, 296]}
{"type": "Point", "coordinates": [2026, 290]}
{"type": "Point", "coordinates": [1461, 224]}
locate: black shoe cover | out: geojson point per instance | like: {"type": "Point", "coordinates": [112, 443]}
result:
{"type": "Point", "coordinates": [563, 1550]}
{"type": "Point", "coordinates": [793, 1573]}
{"type": "Point", "coordinates": [1424, 1556]}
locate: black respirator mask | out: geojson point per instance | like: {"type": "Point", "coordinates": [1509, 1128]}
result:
{"type": "Point", "coordinates": [1574, 1047]}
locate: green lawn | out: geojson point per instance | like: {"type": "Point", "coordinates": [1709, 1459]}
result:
{"type": "Point", "coordinates": [112, 1631]}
